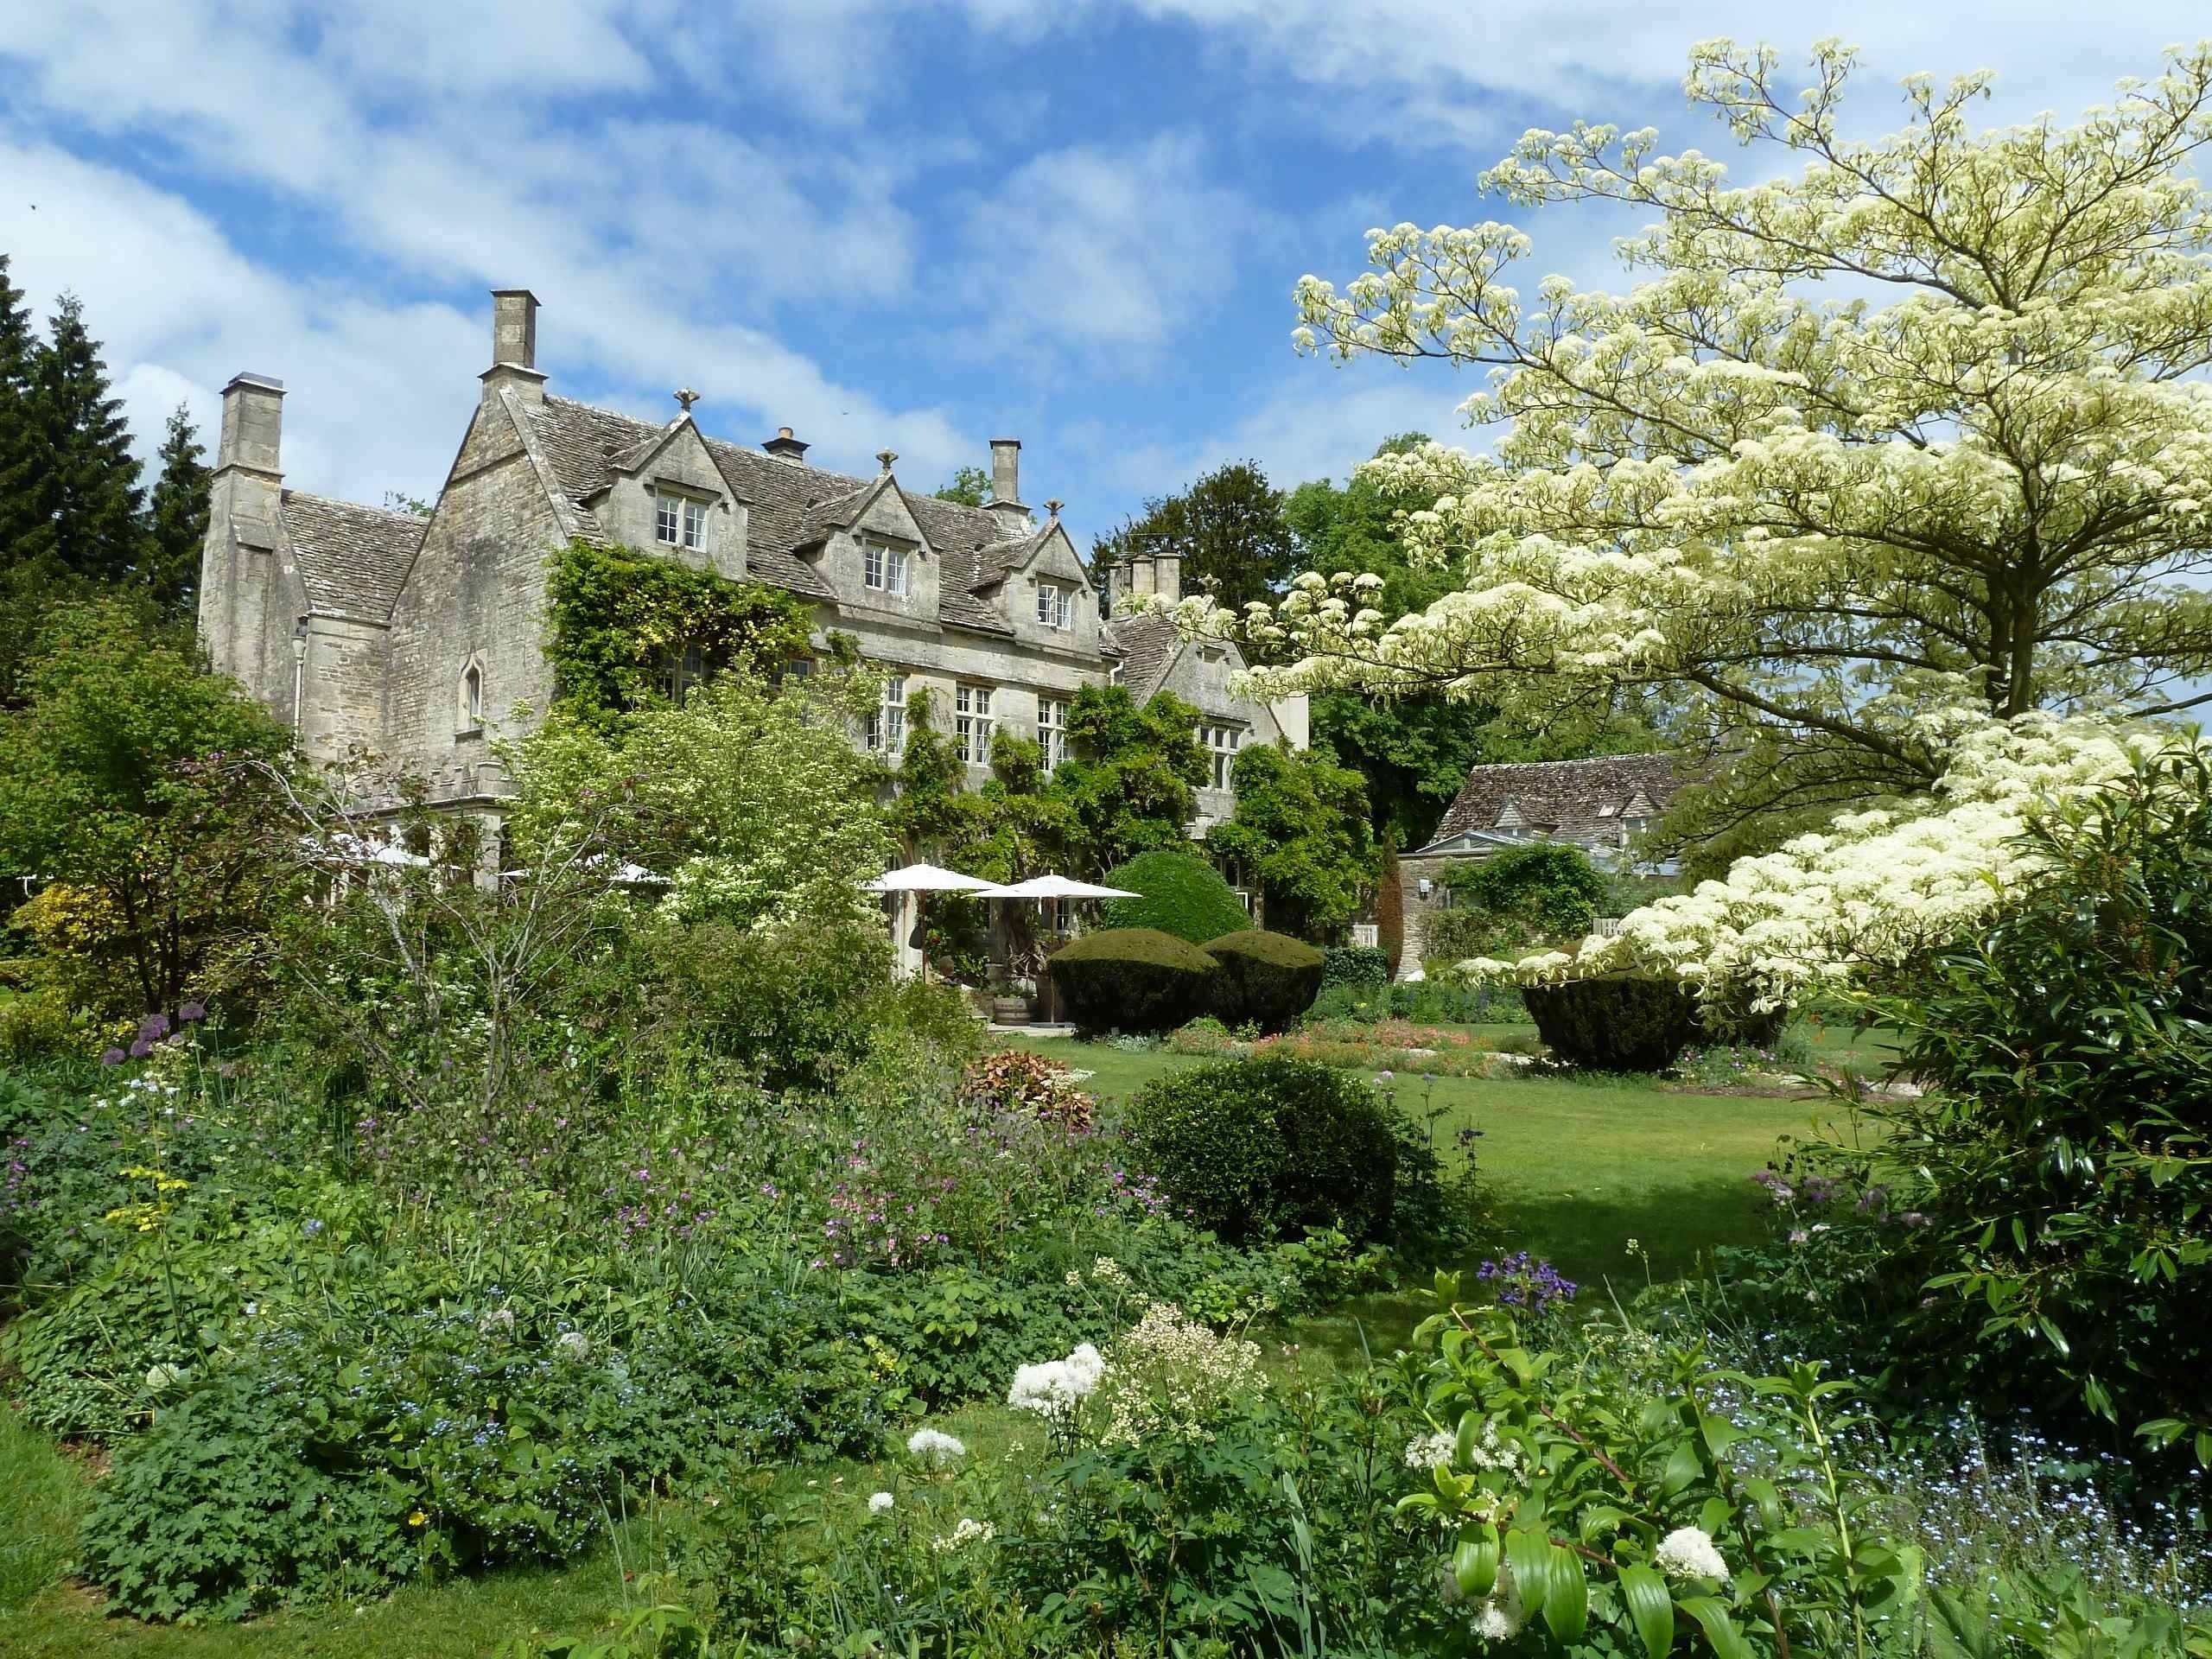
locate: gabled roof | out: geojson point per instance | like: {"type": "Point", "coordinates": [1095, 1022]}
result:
{"type": "Point", "coordinates": [352, 560]}
{"type": "Point", "coordinates": [789, 506]}
{"type": "Point", "coordinates": [1580, 801]}
{"type": "Point", "coordinates": [1149, 643]}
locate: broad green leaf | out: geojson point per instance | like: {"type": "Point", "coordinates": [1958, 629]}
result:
{"type": "Point", "coordinates": [1650, 1609]}
{"type": "Point", "coordinates": [1529, 1555]}
{"type": "Point", "coordinates": [1683, 1469]}
{"type": "Point", "coordinates": [1566, 1604]}
{"type": "Point", "coordinates": [1474, 1561]}
{"type": "Point", "coordinates": [1719, 1629]}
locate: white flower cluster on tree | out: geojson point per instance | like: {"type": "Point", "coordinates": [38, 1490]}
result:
{"type": "Point", "coordinates": [1981, 476]}
{"type": "Point", "coordinates": [1873, 886]}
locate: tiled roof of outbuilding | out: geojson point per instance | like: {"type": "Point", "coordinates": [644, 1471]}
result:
{"type": "Point", "coordinates": [352, 560]}
{"type": "Point", "coordinates": [1568, 800]}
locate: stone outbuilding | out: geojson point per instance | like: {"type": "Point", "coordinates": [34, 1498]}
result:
{"type": "Point", "coordinates": [422, 638]}
{"type": "Point", "coordinates": [1602, 805]}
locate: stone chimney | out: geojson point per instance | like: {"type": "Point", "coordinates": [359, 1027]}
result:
{"type": "Point", "coordinates": [1167, 575]}
{"type": "Point", "coordinates": [253, 426]}
{"type": "Point", "coordinates": [1005, 504]}
{"type": "Point", "coordinates": [237, 576]}
{"type": "Point", "coordinates": [784, 447]}
{"type": "Point", "coordinates": [514, 346]}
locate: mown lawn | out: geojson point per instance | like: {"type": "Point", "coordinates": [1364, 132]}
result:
{"type": "Point", "coordinates": [1579, 1168]}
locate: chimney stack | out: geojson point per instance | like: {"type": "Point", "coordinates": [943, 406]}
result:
{"type": "Point", "coordinates": [1005, 504]}
{"type": "Point", "coordinates": [1167, 575]}
{"type": "Point", "coordinates": [514, 327]}
{"type": "Point", "coordinates": [1006, 470]}
{"type": "Point", "coordinates": [514, 346]}
{"type": "Point", "coordinates": [253, 425]}
{"type": "Point", "coordinates": [784, 447]}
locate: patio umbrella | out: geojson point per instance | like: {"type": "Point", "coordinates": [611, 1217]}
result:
{"type": "Point", "coordinates": [912, 882]}
{"type": "Point", "coordinates": [1055, 886]}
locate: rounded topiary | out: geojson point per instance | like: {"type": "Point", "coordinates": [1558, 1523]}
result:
{"type": "Point", "coordinates": [1266, 979]}
{"type": "Point", "coordinates": [1133, 978]}
{"type": "Point", "coordinates": [1260, 1148]}
{"type": "Point", "coordinates": [1616, 1024]}
{"type": "Point", "coordinates": [1177, 893]}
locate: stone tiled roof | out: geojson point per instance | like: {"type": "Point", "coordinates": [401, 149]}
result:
{"type": "Point", "coordinates": [1568, 800]}
{"type": "Point", "coordinates": [1148, 643]}
{"type": "Point", "coordinates": [352, 560]}
{"type": "Point", "coordinates": [789, 505]}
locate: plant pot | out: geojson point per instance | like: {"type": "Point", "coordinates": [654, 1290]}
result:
{"type": "Point", "coordinates": [1009, 1011]}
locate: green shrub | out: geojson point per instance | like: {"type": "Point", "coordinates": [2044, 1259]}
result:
{"type": "Point", "coordinates": [1133, 978]}
{"type": "Point", "coordinates": [37, 1027]}
{"type": "Point", "coordinates": [1361, 965]}
{"type": "Point", "coordinates": [1266, 979]}
{"type": "Point", "coordinates": [786, 1002]}
{"type": "Point", "coordinates": [1615, 1025]}
{"type": "Point", "coordinates": [1177, 893]}
{"type": "Point", "coordinates": [1256, 1147]}
{"type": "Point", "coordinates": [2053, 1171]}
{"type": "Point", "coordinates": [1551, 886]}
{"type": "Point", "coordinates": [1362, 1004]}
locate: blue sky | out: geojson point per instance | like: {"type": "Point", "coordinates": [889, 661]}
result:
{"type": "Point", "coordinates": [911, 225]}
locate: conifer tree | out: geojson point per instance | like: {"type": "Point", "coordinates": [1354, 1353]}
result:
{"type": "Point", "coordinates": [18, 351]}
{"type": "Point", "coordinates": [85, 495]}
{"type": "Point", "coordinates": [179, 517]}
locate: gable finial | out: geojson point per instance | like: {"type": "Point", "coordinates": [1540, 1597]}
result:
{"type": "Point", "coordinates": [1053, 506]}
{"type": "Point", "coordinates": [685, 398]}
{"type": "Point", "coordinates": [886, 457]}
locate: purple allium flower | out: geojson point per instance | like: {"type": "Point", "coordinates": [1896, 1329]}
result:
{"type": "Point", "coordinates": [154, 1027]}
{"type": "Point", "coordinates": [193, 1012]}
{"type": "Point", "coordinates": [140, 1048]}
{"type": "Point", "coordinates": [111, 1056]}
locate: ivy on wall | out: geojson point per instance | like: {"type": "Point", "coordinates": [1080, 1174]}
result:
{"type": "Point", "coordinates": [619, 622]}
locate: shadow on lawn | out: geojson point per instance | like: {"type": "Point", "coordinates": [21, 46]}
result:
{"type": "Point", "coordinates": [1586, 1236]}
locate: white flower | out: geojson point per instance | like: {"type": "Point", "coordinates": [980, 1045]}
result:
{"type": "Point", "coordinates": [935, 1447]}
{"type": "Point", "coordinates": [1500, 1615]}
{"type": "Point", "coordinates": [879, 1501]}
{"type": "Point", "coordinates": [574, 1344]}
{"type": "Point", "coordinates": [970, 1531]}
{"type": "Point", "coordinates": [1107, 1271]}
{"type": "Point", "coordinates": [1053, 1387]}
{"type": "Point", "coordinates": [161, 1378]}
{"type": "Point", "coordinates": [501, 1319]}
{"type": "Point", "coordinates": [1688, 1553]}
{"type": "Point", "coordinates": [1431, 1451]}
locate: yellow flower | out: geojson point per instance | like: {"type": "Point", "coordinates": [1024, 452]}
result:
{"type": "Point", "coordinates": [417, 1518]}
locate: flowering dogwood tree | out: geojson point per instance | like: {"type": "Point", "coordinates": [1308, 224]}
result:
{"type": "Point", "coordinates": [1977, 473]}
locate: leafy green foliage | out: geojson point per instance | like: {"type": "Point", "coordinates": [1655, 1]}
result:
{"type": "Point", "coordinates": [970, 485]}
{"type": "Point", "coordinates": [1548, 887]}
{"type": "Point", "coordinates": [1130, 782]}
{"type": "Point", "coordinates": [1227, 528]}
{"type": "Point", "coordinates": [1178, 893]}
{"type": "Point", "coordinates": [2060, 1157]}
{"type": "Point", "coordinates": [1133, 978]}
{"type": "Point", "coordinates": [1266, 979]}
{"type": "Point", "coordinates": [1300, 834]}
{"type": "Point", "coordinates": [1615, 1025]}
{"type": "Point", "coordinates": [1263, 1148]}
{"type": "Point", "coordinates": [621, 626]}
{"type": "Point", "coordinates": [81, 501]}
{"type": "Point", "coordinates": [136, 775]}
{"type": "Point", "coordinates": [1361, 965]}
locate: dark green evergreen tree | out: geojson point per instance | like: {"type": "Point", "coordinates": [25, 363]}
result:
{"type": "Point", "coordinates": [179, 522]}
{"type": "Point", "coordinates": [85, 495]}
{"type": "Point", "coordinates": [18, 353]}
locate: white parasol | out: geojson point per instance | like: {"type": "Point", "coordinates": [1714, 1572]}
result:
{"type": "Point", "coordinates": [1055, 886]}
{"type": "Point", "coordinates": [927, 877]}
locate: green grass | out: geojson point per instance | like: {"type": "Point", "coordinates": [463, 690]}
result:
{"type": "Point", "coordinates": [1579, 1167]}
{"type": "Point", "coordinates": [46, 1493]}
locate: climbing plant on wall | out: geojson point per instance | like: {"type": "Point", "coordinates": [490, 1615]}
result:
{"type": "Point", "coordinates": [621, 623]}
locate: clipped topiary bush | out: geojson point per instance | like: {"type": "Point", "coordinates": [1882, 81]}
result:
{"type": "Point", "coordinates": [1266, 979]}
{"type": "Point", "coordinates": [1177, 893]}
{"type": "Point", "coordinates": [1260, 1148]}
{"type": "Point", "coordinates": [1133, 978]}
{"type": "Point", "coordinates": [1616, 1024]}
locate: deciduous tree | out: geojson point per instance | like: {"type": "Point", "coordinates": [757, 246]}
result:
{"type": "Point", "coordinates": [1227, 528]}
{"type": "Point", "coordinates": [1977, 475]}
{"type": "Point", "coordinates": [1300, 831]}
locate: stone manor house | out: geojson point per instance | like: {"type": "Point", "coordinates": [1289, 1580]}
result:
{"type": "Point", "coordinates": [418, 638]}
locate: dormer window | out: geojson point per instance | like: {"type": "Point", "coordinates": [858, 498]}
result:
{"type": "Point", "coordinates": [679, 521]}
{"type": "Point", "coordinates": [1055, 605]}
{"type": "Point", "coordinates": [884, 568]}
